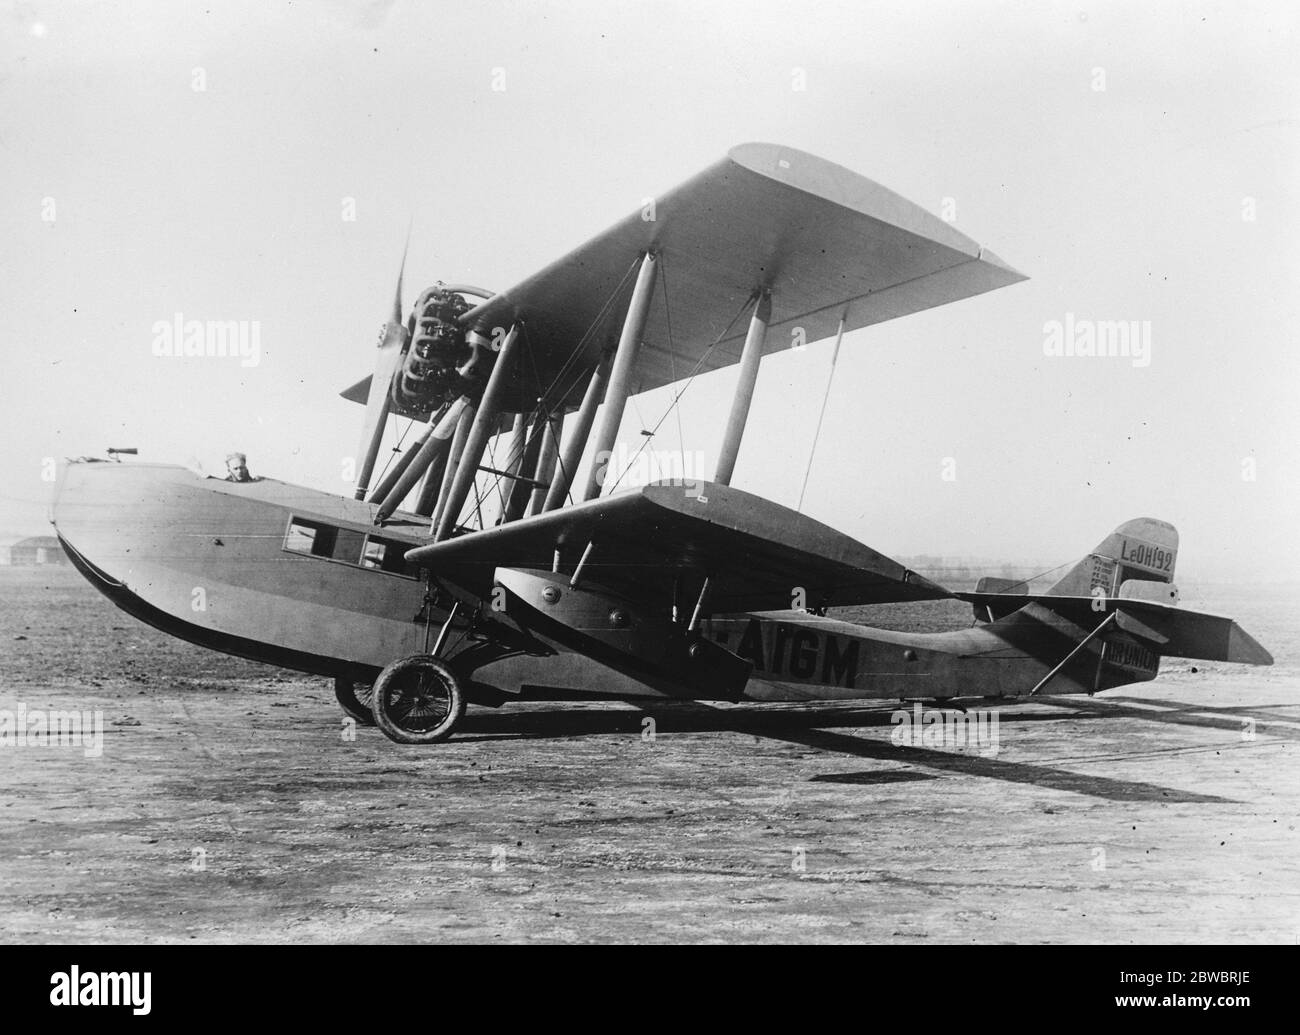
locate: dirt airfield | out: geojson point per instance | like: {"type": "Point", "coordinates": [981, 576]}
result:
{"type": "Point", "coordinates": [231, 803]}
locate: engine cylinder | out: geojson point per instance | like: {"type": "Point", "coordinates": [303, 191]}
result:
{"type": "Point", "coordinates": [430, 373]}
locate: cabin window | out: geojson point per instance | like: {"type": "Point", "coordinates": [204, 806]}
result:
{"type": "Point", "coordinates": [318, 539]}
{"type": "Point", "coordinates": [310, 537]}
{"type": "Point", "coordinates": [386, 555]}
{"type": "Point", "coordinates": [347, 545]}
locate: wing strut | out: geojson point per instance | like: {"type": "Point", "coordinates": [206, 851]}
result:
{"type": "Point", "coordinates": [404, 461]}
{"type": "Point", "coordinates": [524, 484]}
{"type": "Point", "coordinates": [427, 497]}
{"type": "Point", "coordinates": [574, 447]}
{"type": "Point", "coordinates": [699, 605]}
{"type": "Point", "coordinates": [577, 572]}
{"type": "Point", "coordinates": [432, 447]}
{"type": "Point", "coordinates": [620, 378]}
{"type": "Point", "coordinates": [545, 472]}
{"type": "Point", "coordinates": [516, 462]}
{"type": "Point", "coordinates": [485, 420]}
{"type": "Point", "coordinates": [454, 458]}
{"type": "Point", "coordinates": [744, 394]}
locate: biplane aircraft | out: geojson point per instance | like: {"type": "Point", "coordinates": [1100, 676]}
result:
{"type": "Point", "coordinates": [417, 600]}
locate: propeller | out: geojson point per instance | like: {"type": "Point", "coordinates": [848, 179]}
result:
{"type": "Point", "coordinates": [392, 343]}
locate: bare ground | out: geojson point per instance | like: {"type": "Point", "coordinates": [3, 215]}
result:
{"type": "Point", "coordinates": [230, 804]}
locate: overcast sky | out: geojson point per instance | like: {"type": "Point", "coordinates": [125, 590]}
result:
{"type": "Point", "coordinates": [1138, 163]}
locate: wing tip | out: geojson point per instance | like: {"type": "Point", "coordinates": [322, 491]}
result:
{"type": "Point", "coordinates": [991, 259]}
{"type": "Point", "coordinates": [842, 186]}
{"type": "Point", "coordinates": [1244, 649]}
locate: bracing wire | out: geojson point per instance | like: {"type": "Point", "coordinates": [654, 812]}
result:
{"type": "Point", "coordinates": [690, 378]}
{"type": "Point", "coordinates": [397, 449]}
{"type": "Point", "coordinates": [549, 393]}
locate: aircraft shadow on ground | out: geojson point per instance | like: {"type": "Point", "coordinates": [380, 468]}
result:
{"type": "Point", "coordinates": [1180, 713]}
{"type": "Point", "coordinates": [819, 728]}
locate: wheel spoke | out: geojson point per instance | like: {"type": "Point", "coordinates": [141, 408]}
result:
{"type": "Point", "coordinates": [420, 700]}
{"type": "Point", "coordinates": [422, 706]}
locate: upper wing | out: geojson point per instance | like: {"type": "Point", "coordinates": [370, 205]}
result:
{"type": "Point", "coordinates": [826, 242]}
{"type": "Point", "coordinates": [755, 552]}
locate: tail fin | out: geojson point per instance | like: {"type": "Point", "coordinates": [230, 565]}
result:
{"type": "Point", "coordinates": [1144, 548]}
{"type": "Point", "coordinates": [1127, 580]}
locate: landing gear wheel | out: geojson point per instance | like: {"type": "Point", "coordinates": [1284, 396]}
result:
{"type": "Point", "coordinates": [417, 700]}
{"type": "Point", "coordinates": [354, 698]}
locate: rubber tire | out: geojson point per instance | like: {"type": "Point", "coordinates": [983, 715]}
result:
{"type": "Point", "coordinates": [355, 707]}
{"type": "Point", "coordinates": [391, 724]}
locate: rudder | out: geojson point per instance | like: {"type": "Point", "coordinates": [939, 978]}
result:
{"type": "Point", "coordinates": [1144, 548]}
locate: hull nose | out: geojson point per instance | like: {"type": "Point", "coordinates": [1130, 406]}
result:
{"type": "Point", "coordinates": [101, 510]}
{"type": "Point", "coordinates": [206, 560]}
{"type": "Point", "coordinates": [76, 506]}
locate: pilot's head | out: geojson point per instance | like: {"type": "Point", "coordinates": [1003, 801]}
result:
{"type": "Point", "coordinates": [237, 465]}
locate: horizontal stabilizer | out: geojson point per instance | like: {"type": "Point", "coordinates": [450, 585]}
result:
{"type": "Point", "coordinates": [990, 585]}
{"type": "Point", "coordinates": [1167, 630]}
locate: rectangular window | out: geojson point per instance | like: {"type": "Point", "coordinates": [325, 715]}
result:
{"type": "Point", "coordinates": [310, 537]}
{"type": "Point", "coordinates": [347, 545]}
{"type": "Point", "coordinates": [373, 557]}
{"type": "Point", "coordinates": [387, 555]}
{"type": "Point", "coordinates": [350, 546]}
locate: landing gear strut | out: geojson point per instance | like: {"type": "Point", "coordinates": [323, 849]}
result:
{"type": "Point", "coordinates": [417, 700]}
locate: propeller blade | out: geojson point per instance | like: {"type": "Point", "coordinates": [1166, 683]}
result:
{"type": "Point", "coordinates": [392, 344]}
{"type": "Point", "coordinates": [401, 270]}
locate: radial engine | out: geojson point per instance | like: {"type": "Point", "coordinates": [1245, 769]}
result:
{"type": "Point", "coordinates": [444, 360]}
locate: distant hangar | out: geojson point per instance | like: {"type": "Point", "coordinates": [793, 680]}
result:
{"type": "Point", "coordinates": [26, 551]}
